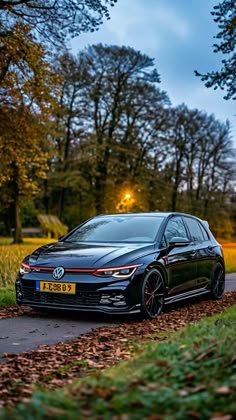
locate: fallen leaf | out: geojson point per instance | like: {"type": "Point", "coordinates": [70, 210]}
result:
{"type": "Point", "coordinates": [118, 352]}
{"type": "Point", "coordinates": [223, 390]}
{"type": "Point", "coordinates": [221, 416]}
{"type": "Point", "coordinates": [183, 392]}
{"type": "Point", "coordinates": [95, 350]}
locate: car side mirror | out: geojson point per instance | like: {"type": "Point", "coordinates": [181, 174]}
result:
{"type": "Point", "coordinates": [179, 241]}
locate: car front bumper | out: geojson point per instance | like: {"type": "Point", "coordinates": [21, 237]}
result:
{"type": "Point", "coordinates": [115, 297]}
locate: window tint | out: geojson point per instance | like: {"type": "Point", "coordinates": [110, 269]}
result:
{"type": "Point", "coordinates": [195, 229]}
{"type": "Point", "coordinates": [205, 234]}
{"type": "Point", "coordinates": [120, 228]}
{"type": "Point", "coordinates": [175, 227]}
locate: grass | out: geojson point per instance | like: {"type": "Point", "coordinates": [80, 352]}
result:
{"type": "Point", "coordinates": [191, 375]}
{"type": "Point", "coordinates": [7, 297]}
{"type": "Point", "coordinates": [230, 257]}
{"type": "Point", "coordinates": [11, 256]}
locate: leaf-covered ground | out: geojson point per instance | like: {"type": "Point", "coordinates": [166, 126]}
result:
{"type": "Point", "coordinates": [52, 367]}
{"type": "Point", "coordinates": [14, 310]}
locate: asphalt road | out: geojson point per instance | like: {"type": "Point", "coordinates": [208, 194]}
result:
{"type": "Point", "coordinates": [27, 332]}
{"type": "Point", "coordinates": [230, 282]}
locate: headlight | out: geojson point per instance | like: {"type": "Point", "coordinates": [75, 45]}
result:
{"type": "Point", "coordinates": [117, 272]}
{"type": "Point", "coordinates": [24, 268]}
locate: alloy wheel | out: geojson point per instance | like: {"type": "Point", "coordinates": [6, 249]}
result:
{"type": "Point", "coordinates": [218, 282]}
{"type": "Point", "coordinates": [152, 299]}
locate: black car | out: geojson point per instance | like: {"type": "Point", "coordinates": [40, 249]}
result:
{"type": "Point", "coordinates": [121, 263]}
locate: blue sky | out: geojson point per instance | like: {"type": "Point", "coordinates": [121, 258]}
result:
{"type": "Point", "coordinates": [179, 35]}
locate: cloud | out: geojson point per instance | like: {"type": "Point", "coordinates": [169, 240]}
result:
{"type": "Point", "coordinates": [149, 26]}
{"type": "Point", "coordinates": [179, 35]}
{"type": "Point", "coordinates": [145, 27]}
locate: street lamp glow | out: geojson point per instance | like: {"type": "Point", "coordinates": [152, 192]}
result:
{"type": "Point", "coordinates": [126, 203]}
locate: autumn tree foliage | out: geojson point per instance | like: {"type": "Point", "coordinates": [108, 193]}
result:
{"type": "Point", "coordinates": [25, 105]}
{"type": "Point", "coordinates": [26, 86]}
{"type": "Point", "coordinates": [225, 16]}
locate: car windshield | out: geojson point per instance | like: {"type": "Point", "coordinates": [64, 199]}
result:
{"type": "Point", "coordinates": [110, 229]}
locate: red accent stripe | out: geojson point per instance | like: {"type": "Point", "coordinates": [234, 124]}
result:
{"type": "Point", "coordinates": [25, 265]}
{"type": "Point", "coordinates": [80, 270]}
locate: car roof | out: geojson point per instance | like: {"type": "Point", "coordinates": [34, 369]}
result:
{"type": "Point", "coordinates": [141, 213]}
{"type": "Point", "coordinates": [152, 213]}
{"type": "Point", "coordinates": [156, 213]}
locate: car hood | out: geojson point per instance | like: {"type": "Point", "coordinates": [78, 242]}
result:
{"type": "Point", "coordinates": [78, 255]}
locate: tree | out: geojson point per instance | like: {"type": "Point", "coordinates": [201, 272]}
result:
{"type": "Point", "coordinates": [214, 160]}
{"type": "Point", "coordinates": [199, 161]}
{"type": "Point", "coordinates": [116, 134]}
{"type": "Point", "coordinates": [181, 142]}
{"type": "Point", "coordinates": [112, 110]}
{"type": "Point", "coordinates": [225, 16]}
{"type": "Point", "coordinates": [69, 115]}
{"type": "Point", "coordinates": [25, 105]}
{"type": "Point", "coordinates": [123, 96]}
{"type": "Point", "coordinates": [23, 159]}
{"type": "Point", "coordinates": [54, 20]}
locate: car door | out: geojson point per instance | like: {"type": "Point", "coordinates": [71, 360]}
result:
{"type": "Point", "coordinates": [180, 259]}
{"type": "Point", "coordinates": [205, 254]}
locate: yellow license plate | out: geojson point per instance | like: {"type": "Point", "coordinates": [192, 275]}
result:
{"type": "Point", "coordinates": [56, 287]}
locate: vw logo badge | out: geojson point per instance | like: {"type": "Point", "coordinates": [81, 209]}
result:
{"type": "Point", "coordinates": [58, 273]}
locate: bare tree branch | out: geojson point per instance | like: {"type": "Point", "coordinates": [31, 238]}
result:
{"type": "Point", "coordinates": [55, 20]}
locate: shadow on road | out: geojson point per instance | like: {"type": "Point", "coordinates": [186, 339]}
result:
{"type": "Point", "coordinates": [108, 319]}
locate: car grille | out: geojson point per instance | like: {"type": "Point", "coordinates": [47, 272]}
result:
{"type": "Point", "coordinates": [81, 298]}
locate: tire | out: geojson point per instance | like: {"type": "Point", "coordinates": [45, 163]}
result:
{"type": "Point", "coordinates": [152, 294]}
{"type": "Point", "coordinates": [217, 282]}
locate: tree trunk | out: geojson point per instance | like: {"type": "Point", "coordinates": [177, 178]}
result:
{"type": "Point", "coordinates": [176, 183]}
{"type": "Point", "coordinates": [101, 181]}
{"type": "Point", "coordinates": [8, 219]}
{"type": "Point", "coordinates": [61, 201]}
{"type": "Point", "coordinates": [45, 196]}
{"type": "Point", "coordinates": [18, 230]}
{"type": "Point", "coordinates": [100, 186]}
{"type": "Point", "coordinates": [17, 236]}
